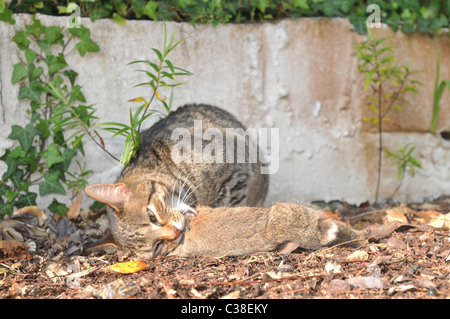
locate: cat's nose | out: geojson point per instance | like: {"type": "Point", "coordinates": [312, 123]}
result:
{"type": "Point", "coordinates": [178, 228]}
{"type": "Point", "coordinates": [177, 232]}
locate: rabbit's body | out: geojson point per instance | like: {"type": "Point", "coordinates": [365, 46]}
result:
{"type": "Point", "coordinates": [245, 230]}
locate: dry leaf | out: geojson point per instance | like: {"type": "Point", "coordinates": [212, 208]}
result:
{"type": "Point", "coordinates": [13, 249]}
{"type": "Point", "coordinates": [232, 295]}
{"type": "Point", "coordinates": [395, 242]}
{"type": "Point", "coordinates": [439, 220]}
{"type": "Point", "coordinates": [358, 255]}
{"type": "Point", "coordinates": [395, 215]}
{"type": "Point", "coordinates": [329, 267]}
{"type": "Point", "coordinates": [74, 209]}
{"type": "Point", "coordinates": [35, 210]}
{"type": "Point", "coordinates": [129, 267]}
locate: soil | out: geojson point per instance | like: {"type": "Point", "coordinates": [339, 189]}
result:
{"type": "Point", "coordinates": [406, 256]}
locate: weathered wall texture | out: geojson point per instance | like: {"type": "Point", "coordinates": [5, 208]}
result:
{"type": "Point", "coordinates": [296, 75]}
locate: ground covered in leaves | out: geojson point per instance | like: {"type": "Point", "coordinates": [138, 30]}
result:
{"type": "Point", "coordinates": [407, 255]}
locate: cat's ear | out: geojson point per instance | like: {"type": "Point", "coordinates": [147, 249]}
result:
{"type": "Point", "coordinates": [187, 210]}
{"type": "Point", "coordinates": [113, 195]}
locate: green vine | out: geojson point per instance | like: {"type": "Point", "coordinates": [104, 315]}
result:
{"type": "Point", "coordinates": [57, 117]}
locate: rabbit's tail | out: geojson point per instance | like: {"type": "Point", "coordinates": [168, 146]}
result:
{"type": "Point", "coordinates": [335, 232]}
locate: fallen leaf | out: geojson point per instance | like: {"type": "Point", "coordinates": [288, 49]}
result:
{"type": "Point", "coordinates": [366, 282]}
{"type": "Point", "coordinates": [129, 267]}
{"type": "Point", "coordinates": [395, 242]}
{"type": "Point", "coordinates": [63, 227]}
{"type": "Point", "coordinates": [339, 285]}
{"type": "Point", "coordinates": [232, 295]}
{"type": "Point", "coordinates": [438, 220]}
{"type": "Point", "coordinates": [32, 209]}
{"type": "Point", "coordinates": [395, 215]}
{"type": "Point", "coordinates": [329, 267]}
{"type": "Point", "coordinates": [13, 249]}
{"type": "Point", "coordinates": [357, 255]}
{"type": "Point", "coordinates": [401, 288]}
{"type": "Point", "coordinates": [74, 209]}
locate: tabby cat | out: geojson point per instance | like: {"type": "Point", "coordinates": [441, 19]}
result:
{"type": "Point", "coordinates": [155, 177]}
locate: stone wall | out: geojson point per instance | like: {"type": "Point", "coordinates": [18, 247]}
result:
{"type": "Point", "coordinates": [296, 75]}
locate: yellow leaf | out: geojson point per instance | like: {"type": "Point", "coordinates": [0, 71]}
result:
{"type": "Point", "coordinates": [138, 99]}
{"type": "Point", "coordinates": [129, 267]}
{"type": "Point", "coordinates": [159, 97]}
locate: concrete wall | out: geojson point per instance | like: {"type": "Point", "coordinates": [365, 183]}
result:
{"type": "Point", "coordinates": [296, 75]}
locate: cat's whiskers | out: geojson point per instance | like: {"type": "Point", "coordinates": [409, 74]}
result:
{"type": "Point", "coordinates": [175, 184]}
{"type": "Point", "coordinates": [190, 192]}
{"type": "Point", "coordinates": [181, 190]}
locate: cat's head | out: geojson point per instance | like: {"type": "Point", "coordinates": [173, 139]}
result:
{"type": "Point", "coordinates": [146, 213]}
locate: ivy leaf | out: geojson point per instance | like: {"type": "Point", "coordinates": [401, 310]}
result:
{"type": "Point", "coordinates": [68, 154]}
{"type": "Point", "coordinates": [55, 63]}
{"type": "Point", "coordinates": [11, 163]}
{"type": "Point", "coordinates": [51, 184]}
{"type": "Point", "coordinates": [16, 178]}
{"type": "Point", "coordinates": [72, 75]}
{"type": "Point", "coordinates": [34, 72]}
{"type": "Point", "coordinates": [53, 35]}
{"type": "Point", "coordinates": [28, 199]}
{"type": "Point", "coordinates": [24, 135]}
{"type": "Point", "coordinates": [86, 44]}
{"type": "Point", "coordinates": [6, 16]}
{"type": "Point", "coordinates": [30, 55]}
{"type": "Point", "coordinates": [52, 155]}
{"type": "Point", "coordinates": [19, 73]}
{"type": "Point", "coordinates": [44, 45]}
{"type": "Point", "coordinates": [6, 209]}
{"type": "Point", "coordinates": [32, 92]}
{"type": "Point", "coordinates": [21, 39]}
{"type": "Point", "coordinates": [58, 208]}
{"type": "Point", "coordinates": [10, 195]}
{"type": "Point", "coordinates": [117, 18]}
{"type": "Point", "coordinates": [150, 10]}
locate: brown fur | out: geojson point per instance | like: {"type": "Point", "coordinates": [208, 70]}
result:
{"type": "Point", "coordinates": [245, 230]}
{"type": "Point", "coordinates": [154, 178]}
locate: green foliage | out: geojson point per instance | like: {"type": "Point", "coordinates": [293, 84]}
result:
{"type": "Point", "coordinates": [403, 159]}
{"type": "Point", "coordinates": [388, 81]}
{"type": "Point", "coordinates": [407, 15]}
{"type": "Point", "coordinates": [45, 149]}
{"type": "Point", "coordinates": [439, 88]}
{"type": "Point", "coordinates": [161, 75]}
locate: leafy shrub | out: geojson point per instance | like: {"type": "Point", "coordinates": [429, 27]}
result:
{"type": "Point", "coordinates": [407, 15]}
{"type": "Point", "coordinates": [45, 149]}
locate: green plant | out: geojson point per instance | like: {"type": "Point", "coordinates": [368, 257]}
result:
{"type": "Point", "coordinates": [388, 81]}
{"type": "Point", "coordinates": [161, 75]}
{"type": "Point", "coordinates": [426, 16]}
{"type": "Point", "coordinates": [57, 117]}
{"type": "Point", "coordinates": [404, 160]}
{"type": "Point", "coordinates": [438, 91]}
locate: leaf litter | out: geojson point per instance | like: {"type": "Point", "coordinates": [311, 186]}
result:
{"type": "Point", "coordinates": [407, 255]}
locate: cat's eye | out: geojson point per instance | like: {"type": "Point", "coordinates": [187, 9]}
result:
{"type": "Point", "coordinates": [152, 216]}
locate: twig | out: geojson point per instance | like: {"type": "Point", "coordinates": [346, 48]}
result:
{"type": "Point", "coordinates": [233, 283]}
